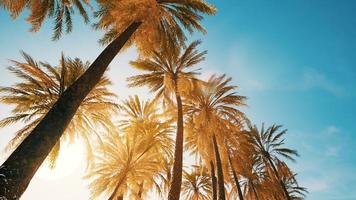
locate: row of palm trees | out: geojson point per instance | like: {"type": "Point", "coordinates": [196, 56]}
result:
{"type": "Point", "coordinates": [143, 23]}
{"type": "Point", "coordinates": [59, 103]}
{"type": "Point", "coordinates": [234, 160]}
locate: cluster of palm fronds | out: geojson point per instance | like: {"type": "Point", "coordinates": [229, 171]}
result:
{"type": "Point", "coordinates": [139, 155]}
{"type": "Point", "coordinates": [134, 158]}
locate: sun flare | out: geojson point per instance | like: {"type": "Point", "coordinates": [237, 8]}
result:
{"type": "Point", "coordinates": [71, 158]}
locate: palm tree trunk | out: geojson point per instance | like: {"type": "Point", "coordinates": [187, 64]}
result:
{"type": "Point", "coordinates": [286, 194]}
{"type": "Point", "coordinates": [139, 194]}
{"type": "Point", "coordinates": [236, 179]}
{"type": "Point", "coordinates": [254, 190]}
{"type": "Point", "coordinates": [213, 180]}
{"type": "Point", "coordinates": [113, 195]}
{"type": "Point", "coordinates": [220, 170]}
{"type": "Point", "coordinates": [174, 192]}
{"type": "Point", "coordinates": [18, 170]}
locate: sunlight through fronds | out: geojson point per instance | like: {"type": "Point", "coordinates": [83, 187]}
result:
{"type": "Point", "coordinates": [212, 108]}
{"type": "Point", "coordinates": [169, 70]}
{"type": "Point", "coordinates": [131, 157]}
{"type": "Point", "coordinates": [161, 20]}
{"type": "Point", "coordinates": [197, 184]}
{"type": "Point", "coordinates": [40, 85]}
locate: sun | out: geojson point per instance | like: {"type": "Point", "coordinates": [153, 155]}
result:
{"type": "Point", "coordinates": [71, 157]}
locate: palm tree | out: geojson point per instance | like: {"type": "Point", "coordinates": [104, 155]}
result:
{"type": "Point", "coordinates": [60, 11]}
{"type": "Point", "coordinates": [130, 158]}
{"type": "Point", "coordinates": [163, 178]}
{"type": "Point", "coordinates": [237, 151]}
{"type": "Point", "coordinates": [254, 177]}
{"type": "Point", "coordinates": [39, 88]}
{"type": "Point", "coordinates": [295, 191]}
{"type": "Point", "coordinates": [269, 146]}
{"type": "Point", "coordinates": [196, 184]}
{"type": "Point", "coordinates": [236, 178]}
{"type": "Point", "coordinates": [169, 74]}
{"type": "Point", "coordinates": [172, 18]}
{"type": "Point", "coordinates": [212, 108]}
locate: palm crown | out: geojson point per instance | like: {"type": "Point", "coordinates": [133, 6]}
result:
{"type": "Point", "coordinates": [196, 184]}
{"type": "Point", "coordinates": [168, 70]}
{"type": "Point", "coordinates": [269, 143]}
{"type": "Point", "coordinates": [212, 104]}
{"type": "Point", "coordinates": [40, 87]}
{"type": "Point", "coordinates": [60, 11]}
{"type": "Point", "coordinates": [161, 19]}
{"type": "Point", "coordinates": [129, 159]}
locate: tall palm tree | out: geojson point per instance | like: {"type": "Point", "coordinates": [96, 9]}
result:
{"type": "Point", "coordinates": [196, 184]}
{"type": "Point", "coordinates": [126, 164]}
{"type": "Point", "coordinates": [172, 18]}
{"type": "Point", "coordinates": [269, 146]}
{"type": "Point", "coordinates": [60, 11]}
{"type": "Point", "coordinates": [169, 73]}
{"type": "Point", "coordinates": [295, 191]}
{"type": "Point", "coordinates": [40, 85]}
{"type": "Point", "coordinates": [212, 108]}
{"type": "Point", "coordinates": [237, 151]}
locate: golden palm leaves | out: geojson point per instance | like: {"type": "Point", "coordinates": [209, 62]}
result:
{"type": "Point", "coordinates": [134, 154]}
{"type": "Point", "coordinates": [161, 20]}
{"type": "Point", "coordinates": [40, 86]}
{"type": "Point", "coordinates": [197, 184]}
{"type": "Point", "coordinates": [212, 108]}
{"type": "Point", "coordinates": [169, 70]}
{"type": "Point", "coordinates": [60, 11]}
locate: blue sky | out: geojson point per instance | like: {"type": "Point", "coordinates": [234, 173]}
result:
{"type": "Point", "coordinates": [294, 60]}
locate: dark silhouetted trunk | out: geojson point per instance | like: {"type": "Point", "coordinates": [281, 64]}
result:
{"type": "Point", "coordinates": [236, 179]}
{"type": "Point", "coordinates": [286, 194]}
{"type": "Point", "coordinates": [254, 190]}
{"type": "Point", "coordinates": [174, 191]}
{"type": "Point", "coordinates": [219, 170]}
{"type": "Point", "coordinates": [213, 180]}
{"type": "Point", "coordinates": [140, 191]}
{"type": "Point", "coordinates": [18, 170]}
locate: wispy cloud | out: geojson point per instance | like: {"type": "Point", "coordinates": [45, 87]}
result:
{"type": "Point", "coordinates": [332, 129]}
{"type": "Point", "coordinates": [316, 185]}
{"type": "Point", "coordinates": [316, 79]}
{"type": "Point", "coordinates": [332, 151]}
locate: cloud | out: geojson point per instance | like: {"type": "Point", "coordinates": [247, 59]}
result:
{"type": "Point", "coordinates": [332, 151]}
{"type": "Point", "coordinates": [332, 130]}
{"type": "Point", "coordinates": [316, 185]}
{"type": "Point", "coordinates": [315, 79]}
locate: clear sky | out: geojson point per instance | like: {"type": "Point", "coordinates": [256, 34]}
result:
{"type": "Point", "coordinates": [294, 59]}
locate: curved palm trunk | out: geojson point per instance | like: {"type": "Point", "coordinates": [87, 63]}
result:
{"type": "Point", "coordinates": [213, 180]}
{"type": "Point", "coordinates": [18, 170]}
{"type": "Point", "coordinates": [236, 179]}
{"type": "Point", "coordinates": [286, 194]}
{"type": "Point", "coordinates": [220, 170]}
{"type": "Point", "coordinates": [174, 192]}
